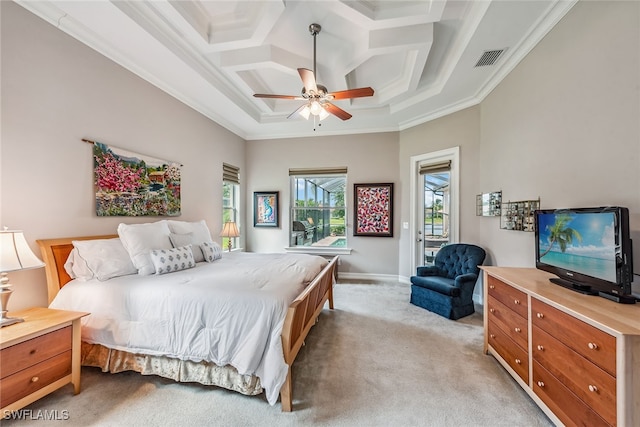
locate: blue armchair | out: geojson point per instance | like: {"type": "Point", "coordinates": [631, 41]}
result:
{"type": "Point", "coordinates": [446, 288]}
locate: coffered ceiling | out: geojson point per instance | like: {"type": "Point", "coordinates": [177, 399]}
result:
{"type": "Point", "coordinates": [420, 57]}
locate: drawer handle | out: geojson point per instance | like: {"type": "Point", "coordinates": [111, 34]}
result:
{"type": "Point", "coordinates": [492, 287]}
{"type": "Point", "coordinates": [517, 329]}
{"type": "Point", "coordinates": [593, 346]}
{"type": "Point", "coordinates": [492, 335]}
{"type": "Point", "coordinates": [593, 388]}
{"type": "Point", "coordinates": [35, 379]}
{"type": "Point", "coordinates": [492, 310]}
{"type": "Point", "coordinates": [32, 352]}
{"type": "Point", "coordinates": [540, 315]}
{"type": "Point", "coordinates": [541, 348]}
{"type": "Point", "coordinates": [540, 384]}
{"type": "Point", "coordinates": [516, 302]}
{"type": "Point", "coordinates": [518, 361]}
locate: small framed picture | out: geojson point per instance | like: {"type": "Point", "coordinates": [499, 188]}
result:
{"type": "Point", "coordinates": [265, 209]}
{"type": "Point", "coordinates": [373, 210]}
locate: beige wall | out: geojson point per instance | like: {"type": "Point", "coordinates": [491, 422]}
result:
{"type": "Point", "coordinates": [565, 124]}
{"type": "Point", "coordinates": [371, 158]}
{"type": "Point", "coordinates": [56, 91]}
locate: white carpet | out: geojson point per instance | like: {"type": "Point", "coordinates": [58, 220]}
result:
{"type": "Point", "coordinates": [376, 360]}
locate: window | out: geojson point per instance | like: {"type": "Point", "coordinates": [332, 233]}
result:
{"type": "Point", "coordinates": [318, 212]}
{"type": "Point", "coordinates": [230, 200]}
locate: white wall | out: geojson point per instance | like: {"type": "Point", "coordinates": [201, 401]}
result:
{"type": "Point", "coordinates": [371, 158]}
{"type": "Point", "coordinates": [56, 91]}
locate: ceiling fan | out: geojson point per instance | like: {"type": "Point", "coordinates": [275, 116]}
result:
{"type": "Point", "coordinates": [317, 96]}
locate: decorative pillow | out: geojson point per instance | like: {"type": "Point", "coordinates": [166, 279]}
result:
{"type": "Point", "coordinates": [187, 239]}
{"type": "Point", "coordinates": [211, 250]}
{"type": "Point", "coordinates": [200, 234]}
{"type": "Point", "coordinates": [170, 260]}
{"type": "Point", "coordinates": [102, 258]}
{"type": "Point", "coordinates": [140, 239]}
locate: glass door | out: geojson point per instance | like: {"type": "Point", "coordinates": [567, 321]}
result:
{"type": "Point", "coordinates": [435, 219]}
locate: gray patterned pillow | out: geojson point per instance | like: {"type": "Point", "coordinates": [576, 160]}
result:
{"type": "Point", "coordinates": [170, 260]}
{"type": "Point", "coordinates": [211, 250]}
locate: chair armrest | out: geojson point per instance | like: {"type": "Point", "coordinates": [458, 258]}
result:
{"type": "Point", "coordinates": [466, 278]}
{"type": "Point", "coordinates": [428, 270]}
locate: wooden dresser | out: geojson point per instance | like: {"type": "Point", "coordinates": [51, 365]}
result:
{"type": "Point", "coordinates": [577, 356]}
{"type": "Point", "coordinates": [38, 356]}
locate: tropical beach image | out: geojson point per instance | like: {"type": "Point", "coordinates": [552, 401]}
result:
{"type": "Point", "coordinates": [582, 242]}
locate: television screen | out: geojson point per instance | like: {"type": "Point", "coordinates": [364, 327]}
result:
{"type": "Point", "coordinates": [582, 242]}
{"type": "Point", "coordinates": [589, 249]}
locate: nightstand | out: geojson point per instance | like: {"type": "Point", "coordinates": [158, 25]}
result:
{"type": "Point", "coordinates": [38, 356]}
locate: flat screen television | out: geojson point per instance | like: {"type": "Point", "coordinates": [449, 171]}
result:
{"type": "Point", "coordinates": [589, 249]}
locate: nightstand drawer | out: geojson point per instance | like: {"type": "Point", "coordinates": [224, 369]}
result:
{"type": "Point", "coordinates": [33, 378]}
{"type": "Point", "coordinates": [35, 350]}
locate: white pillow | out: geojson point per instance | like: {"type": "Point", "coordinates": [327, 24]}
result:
{"type": "Point", "coordinates": [211, 250]}
{"type": "Point", "coordinates": [140, 239]}
{"type": "Point", "coordinates": [170, 260]}
{"type": "Point", "coordinates": [103, 258]}
{"type": "Point", "coordinates": [178, 240]}
{"type": "Point", "coordinates": [77, 268]}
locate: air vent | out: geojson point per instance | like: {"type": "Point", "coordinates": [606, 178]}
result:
{"type": "Point", "coordinates": [489, 57]}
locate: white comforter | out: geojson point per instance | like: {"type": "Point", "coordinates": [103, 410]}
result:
{"type": "Point", "coordinates": [230, 311]}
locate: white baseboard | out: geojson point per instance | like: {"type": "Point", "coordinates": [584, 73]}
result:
{"type": "Point", "coordinates": [373, 277]}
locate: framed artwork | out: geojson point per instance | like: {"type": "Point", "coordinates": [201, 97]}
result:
{"type": "Point", "coordinates": [373, 210]}
{"type": "Point", "coordinates": [132, 184]}
{"type": "Point", "coordinates": [265, 209]}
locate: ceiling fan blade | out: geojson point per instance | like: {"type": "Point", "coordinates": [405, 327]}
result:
{"type": "Point", "coordinates": [352, 93]}
{"type": "Point", "coordinates": [267, 95]}
{"type": "Point", "coordinates": [308, 79]}
{"type": "Point", "coordinates": [337, 111]}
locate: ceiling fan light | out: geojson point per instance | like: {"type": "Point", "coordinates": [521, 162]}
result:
{"type": "Point", "coordinates": [316, 108]}
{"type": "Point", "coordinates": [305, 112]}
{"type": "Point", "coordinates": [323, 114]}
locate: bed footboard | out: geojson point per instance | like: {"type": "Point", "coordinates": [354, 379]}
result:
{"type": "Point", "coordinates": [301, 316]}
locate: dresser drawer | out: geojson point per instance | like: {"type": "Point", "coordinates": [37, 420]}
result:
{"type": "Point", "coordinates": [565, 405]}
{"type": "Point", "coordinates": [33, 378]}
{"type": "Point", "coordinates": [512, 353]}
{"type": "Point", "coordinates": [592, 343]}
{"type": "Point", "coordinates": [587, 381]}
{"type": "Point", "coordinates": [508, 321]}
{"type": "Point", "coordinates": [28, 353]}
{"type": "Point", "coordinates": [509, 296]}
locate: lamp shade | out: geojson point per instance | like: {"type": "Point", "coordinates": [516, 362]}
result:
{"type": "Point", "coordinates": [15, 253]}
{"type": "Point", "coordinates": [230, 229]}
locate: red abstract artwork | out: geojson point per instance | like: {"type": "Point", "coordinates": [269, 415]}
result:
{"type": "Point", "coordinates": [373, 210]}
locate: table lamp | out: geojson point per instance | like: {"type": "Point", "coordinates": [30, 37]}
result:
{"type": "Point", "coordinates": [230, 230]}
{"type": "Point", "coordinates": [15, 254]}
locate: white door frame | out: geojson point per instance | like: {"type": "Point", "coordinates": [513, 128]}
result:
{"type": "Point", "coordinates": [416, 211]}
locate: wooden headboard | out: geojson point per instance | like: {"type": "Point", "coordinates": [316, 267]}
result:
{"type": "Point", "coordinates": [55, 253]}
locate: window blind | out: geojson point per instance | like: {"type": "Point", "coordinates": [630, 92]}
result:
{"type": "Point", "coordinates": [339, 170]}
{"type": "Point", "coordinates": [434, 167]}
{"type": "Point", "coordinates": [230, 173]}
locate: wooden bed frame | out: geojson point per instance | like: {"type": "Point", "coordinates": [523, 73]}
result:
{"type": "Point", "coordinates": [301, 315]}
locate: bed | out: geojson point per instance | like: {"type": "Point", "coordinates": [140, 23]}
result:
{"type": "Point", "coordinates": [298, 315]}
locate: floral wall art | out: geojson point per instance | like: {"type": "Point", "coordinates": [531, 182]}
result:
{"type": "Point", "coordinates": [373, 210]}
{"type": "Point", "coordinates": [130, 184]}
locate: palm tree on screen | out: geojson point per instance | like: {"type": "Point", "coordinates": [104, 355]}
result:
{"type": "Point", "coordinates": [561, 234]}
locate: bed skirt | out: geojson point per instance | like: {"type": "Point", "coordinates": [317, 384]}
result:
{"type": "Point", "coordinates": [206, 373]}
